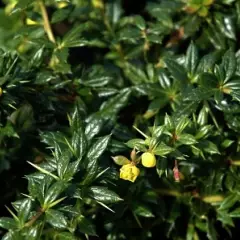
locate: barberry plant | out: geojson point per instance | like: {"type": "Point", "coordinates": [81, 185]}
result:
{"type": "Point", "coordinates": [119, 119]}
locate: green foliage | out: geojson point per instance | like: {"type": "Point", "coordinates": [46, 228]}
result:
{"type": "Point", "coordinates": [88, 87]}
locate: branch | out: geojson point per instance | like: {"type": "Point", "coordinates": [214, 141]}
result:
{"type": "Point", "coordinates": [34, 218]}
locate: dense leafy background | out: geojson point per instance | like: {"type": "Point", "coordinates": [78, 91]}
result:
{"type": "Point", "coordinates": [76, 76]}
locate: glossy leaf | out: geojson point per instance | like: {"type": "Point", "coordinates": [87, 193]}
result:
{"type": "Point", "coordinates": [56, 219]}
{"type": "Point", "coordinates": [103, 195]}
{"type": "Point", "coordinates": [137, 143]}
{"type": "Point", "coordinates": [177, 71]}
{"type": "Point", "coordinates": [142, 210]}
{"type": "Point", "coordinates": [53, 192]}
{"type": "Point", "coordinates": [186, 139]}
{"type": "Point", "coordinates": [229, 64]}
{"type": "Point", "coordinates": [98, 148]}
{"type": "Point", "coordinates": [162, 149]}
{"type": "Point", "coordinates": [7, 223]}
{"type": "Point", "coordinates": [86, 226]}
{"type": "Point", "coordinates": [191, 58]}
{"type": "Point", "coordinates": [24, 210]}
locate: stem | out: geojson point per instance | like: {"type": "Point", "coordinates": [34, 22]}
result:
{"type": "Point", "coordinates": [143, 134]}
{"type": "Point", "coordinates": [117, 47]}
{"type": "Point", "coordinates": [46, 22]}
{"type": "Point", "coordinates": [168, 192]}
{"type": "Point", "coordinates": [34, 219]}
{"type": "Point", "coordinates": [11, 67]}
{"type": "Point", "coordinates": [137, 219]}
{"type": "Point", "coordinates": [174, 193]}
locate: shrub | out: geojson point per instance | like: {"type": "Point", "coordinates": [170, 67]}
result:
{"type": "Point", "coordinates": [122, 116]}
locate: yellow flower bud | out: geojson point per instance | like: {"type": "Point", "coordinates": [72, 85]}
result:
{"type": "Point", "coordinates": [207, 2]}
{"type": "Point", "coordinates": [1, 91]}
{"type": "Point", "coordinates": [54, 61]}
{"type": "Point", "coordinates": [129, 172]}
{"type": "Point", "coordinates": [148, 160]}
{"type": "Point", "coordinates": [29, 21]}
{"type": "Point", "coordinates": [133, 155]}
{"type": "Point", "coordinates": [203, 12]}
{"type": "Point", "coordinates": [98, 4]}
{"type": "Point", "coordinates": [62, 4]}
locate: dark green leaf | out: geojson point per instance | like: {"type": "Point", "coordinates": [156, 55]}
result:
{"type": "Point", "coordinates": [229, 64]}
{"type": "Point", "coordinates": [91, 171]}
{"type": "Point", "coordinates": [181, 125]}
{"type": "Point", "coordinates": [24, 210]}
{"type": "Point", "coordinates": [135, 74]}
{"type": "Point", "coordinates": [62, 164]}
{"type": "Point", "coordinates": [116, 103]}
{"type": "Point", "coordinates": [65, 236]}
{"type": "Point", "coordinates": [73, 37]}
{"type": "Point", "coordinates": [226, 25]}
{"type": "Point", "coordinates": [190, 232]}
{"type": "Point", "coordinates": [209, 147]}
{"type": "Point", "coordinates": [225, 218]}
{"type": "Point", "coordinates": [177, 71]}
{"type": "Point", "coordinates": [7, 223]}
{"type": "Point", "coordinates": [191, 59]}
{"type": "Point", "coordinates": [56, 219]}
{"type": "Point", "coordinates": [211, 231]}
{"type": "Point", "coordinates": [154, 38]}
{"type": "Point", "coordinates": [142, 210]}
{"type": "Point", "coordinates": [23, 118]}
{"type": "Point", "coordinates": [86, 226]}
{"type": "Point", "coordinates": [140, 22]}
{"type": "Point", "coordinates": [186, 139]}
{"type": "Point", "coordinates": [33, 232]}
{"type": "Point", "coordinates": [102, 194]}
{"type": "Point", "coordinates": [162, 149]}
{"type": "Point", "coordinates": [203, 132]}
{"type": "Point", "coordinates": [97, 82]}
{"type": "Point", "coordinates": [227, 143]}
{"type": "Point", "coordinates": [137, 143]}
{"type": "Point", "coordinates": [202, 116]}
{"type": "Point", "coordinates": [79, 143]}
{"type": "Point", "coordinates": [164, 79]}
{"type": "Point", "coordinates": [54, 191]}
{"type": "Point", "coordinates": [98, 148]}
{"type": "Point", "coordinates": [93, 126]}
{"type": "Point", "coordinates": [60, 15]}
{"type": "Point", "coordinates": [235, 213]}
{"type": "Point", "coordinates": [229, 202]}
{"type": "Point", "coordinates": [161, 166]}
{"type": "Point", "coordinates": [36, 189]}
{"type": "Point", "coordinates": [114, 11]}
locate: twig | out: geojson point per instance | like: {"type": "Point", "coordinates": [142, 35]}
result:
{"type": "Point", "coordinates": [34, 218]}
{"type": "Point", "coordinates": [46, 22]}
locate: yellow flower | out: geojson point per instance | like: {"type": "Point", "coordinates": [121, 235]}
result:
{"type": "Point", "coordinates": [1, 91]}
{"type": "Point", "coordinates": [148, 160]}
{"type": "Point", "coordinates": [129, 172]}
